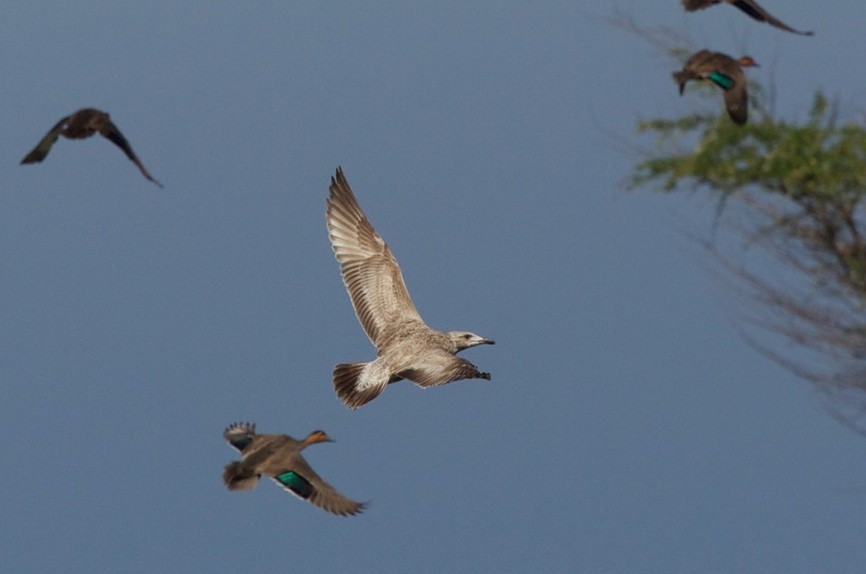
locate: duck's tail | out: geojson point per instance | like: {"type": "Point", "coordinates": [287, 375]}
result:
{"type": "Point", "coordinates": [237, 477]}
{"type": "Point", "coordinates": [681, 78]}
{"type": "Point", "coordinates": [357, 383]}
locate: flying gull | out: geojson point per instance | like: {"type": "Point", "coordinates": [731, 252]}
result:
{"type": "Point", "coordinates": [407, 347]}
{"type": "Point", "coordinates": [278, 456]}
{"type": "Point", "coordinates": [83, 124]}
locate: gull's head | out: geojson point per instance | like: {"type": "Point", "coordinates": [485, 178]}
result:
{"type": "Point", "coordinates": [464, 339]}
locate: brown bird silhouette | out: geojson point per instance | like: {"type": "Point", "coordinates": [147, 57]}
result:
{"type": "Point", "coordinates": [278, 456]}
{"type": "Point", "coordinates": [726, 73]}
{"type": "Point", "coordinates": [83, 124]}
{"type": "Point", "coordinates": [750, 7]}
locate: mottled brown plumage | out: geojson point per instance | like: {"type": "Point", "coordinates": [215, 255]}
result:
{"type": "Point", "coordinates": [278, 456]}
{"type": "Point", "coordinates": [407, 347]}
{"type": "Point", "coordinates": [726, 73]}
{"type": "Point", "coordinates": [83, 124]}
{"type": "Point", "coordinates": [750, 7]}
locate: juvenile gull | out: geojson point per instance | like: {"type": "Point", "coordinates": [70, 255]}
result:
{"type": "Point", "coordinates": [83, 124]}
{"type": "Point", "coordinates": [278, 456]}
{"type": "Point", "coordinates": [407, 347]}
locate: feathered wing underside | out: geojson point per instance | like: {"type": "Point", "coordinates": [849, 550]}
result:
{"type": "Point", "coordinates": [755, 11]}
{"type": "Point", "coordinates": [240, 435]}
{"type": "Point", "coordinates": [110, 132]}
{"type": "Point", "coordinates": [737, 100]}
{"type": "Point", "coordinates": [750, 7]}
{"type": "Point", "coordinates": [370, 271]}
{"type": "Point", "coordinates": [439, 367]}
{"type": "Point", "coordinates": [301, 480]}
{"type": "Point", "coordinates": [41, 150]}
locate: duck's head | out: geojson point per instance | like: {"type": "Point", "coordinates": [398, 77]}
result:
{"type": "Point", "coordinates": [317, 436]}
{"type": "Point", "coordinates": [464, 339]}
{"type": "Point", "coordinates": [748, 62]}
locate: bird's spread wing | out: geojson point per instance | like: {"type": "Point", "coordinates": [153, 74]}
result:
{"type": "Point", "coordinates": [302, 481]}
{"type": "Point", "coordinates": [737, 98]}
{"type": "Point", "coordinates": [750, 7]}
{"type": "Point", "coordinates": [370, 271]}
{"type": "Point", "coordinates": [692, 5]}
{"type": "Point", "coordinates": [754, 10]}
{"type": "Point", "coordinates": [439, 367]}
{"type": "Point", "coordinates": [240, 435]}
{"type": "Point", "coordinates": [110, 131]}
{"type": "Point", "coordinates": [41, 150]}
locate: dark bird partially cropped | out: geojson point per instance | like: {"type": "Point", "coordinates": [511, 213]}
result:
{"type": "Point", "coordinates": [83, 124]}
{"type": "Point", "coordinates": [278, 456]}
{"type": "Point", "coordinates": [750, 7]}
{"type": "Point", "coordinates": [726, 73]}
{"type": "Point", "coordinates": [407, 347]}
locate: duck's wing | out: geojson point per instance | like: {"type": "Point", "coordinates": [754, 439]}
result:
{"type": "Point", "coordinates": [300, 479]}
{"type": "Point", "coordinates": [437, 367]}
{"type": "Point", "coordinates": [750, 7]}
{"type": "Point", "coordinates": [692, 5]}
{"type": "Point", "coordinates": [240, 435]}
{"type": "Point", "coordinates": [737, 97]}
{"type": "Point", "coordinates": [111, 132]}
{"type": "Point", "coordinates": [41, 150]}
{"type": "Point", "coordinates": [370, 271]}
{"type": "Point", "coordinates": [754, 10]}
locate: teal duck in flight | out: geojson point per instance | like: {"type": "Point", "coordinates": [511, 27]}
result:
{"type": "Point", "coordinates": [726, 73]}
{"type": "Point", "coordinates": [750, 7]}
{"type": "Point", "coordinates": [83, 124]}
{"type": "Point", "coordinates": [278, 456]}
{"type": "Point", "coordinates": [407, 347]}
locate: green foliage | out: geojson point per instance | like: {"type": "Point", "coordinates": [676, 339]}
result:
{"type": "Point", "coordinates": [805, 183]}
{"type": "Point", "coordinates": [818, 169]}
{"type": "Point", "coordinates": [816, 159]}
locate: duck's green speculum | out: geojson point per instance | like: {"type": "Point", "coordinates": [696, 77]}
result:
{"type": "Point", "coordinates": [297, 483]}
{"type": "Point", "coordinates": [721, 80]}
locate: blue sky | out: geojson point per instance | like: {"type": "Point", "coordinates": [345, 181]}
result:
{"type": "Point", "coordinates": [627, 428]}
